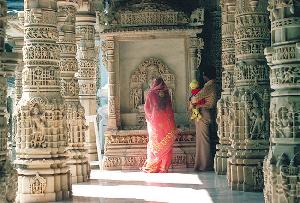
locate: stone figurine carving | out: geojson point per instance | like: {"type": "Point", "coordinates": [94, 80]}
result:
{"type": "Point", "coordinates": [257, 121]}
{"type": "Point", "coordinates": [197, 17]}
{"type": "Point", "coordinates": [37, 125]}
{"type": "Point", "coordinates": [38, 184]}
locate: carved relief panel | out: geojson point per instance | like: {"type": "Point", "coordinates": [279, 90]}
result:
{"type": "Point", "coordinates": [142, 77]}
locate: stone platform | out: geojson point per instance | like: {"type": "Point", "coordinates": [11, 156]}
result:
{"type": "Point", "coordinates": [126, 149]}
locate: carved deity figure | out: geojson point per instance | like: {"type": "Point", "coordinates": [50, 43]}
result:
{"type": "Point", "coordinates": [136, 98]}
{"type": "Point", "coordinates": [37, 185]}
{"type": "Point", "coordinates": [152, 73]}
{"type": "Point", "coordinates": [257, 120]}
{"type": "Point", "coordinates": [37, 124]}
{"type": "Point", "coordinates": [284, 122]}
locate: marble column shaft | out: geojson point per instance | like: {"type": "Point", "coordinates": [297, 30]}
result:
{"type": "Point", "coordinates": [224, 104]}
{"type": "Point", "coordinates": [195, 46]}
{"type": "Point", "coordinates": [281, 166]}
{"type": "Point", "coordinates": [250, 101]}
{"type": "Point", "coordinates": [76, 150]}
{"type": "Point", "coordinates": [108, 60]}
{"type": "Point", "coordinates": [8, 175]}
{"type": "Point", "coordinates": [41, 139]}
{"type": "Point", "coordinates": [86, 57]}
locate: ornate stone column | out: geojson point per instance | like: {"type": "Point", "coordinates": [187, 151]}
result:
{"type": "Point", "coordinates": [18, 46]}
{"type": "Point", "coordinates": [19, 43]}
{"type": "Point", "coordinates": [3, 89]}
{"type": "Point", "coordinates": [250, 103]}
{"type": "Point", "coordinates": [76, 150]}
{"type": "Point", "coordinates": [41, 138]}
{"type": "Point", "coordinates": [195, 46]}
{"type": "Point", "coordinates": [18, 82]}
{"type": "Point", "coordinates": [224, 104]}
{"type": "Point", "coordinates": [281, 166]}
{"type": "Point", "coordinates": [86, 57]}
{"type": "Point", "coordinates": [108, 60]}
{"type": "Point", "coordinates": [8, 175]}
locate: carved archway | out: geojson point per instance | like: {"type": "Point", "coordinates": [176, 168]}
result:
{"type": "Point", "coordinates": [142, 75]}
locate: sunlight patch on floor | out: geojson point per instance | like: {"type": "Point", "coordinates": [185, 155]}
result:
{"type": "Point", "coordinates": [148, 193]}
{"type": "Point", "coordinates": [175, 178]}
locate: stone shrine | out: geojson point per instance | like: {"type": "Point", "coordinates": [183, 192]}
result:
{"type": "Point", "coordinates": [140, 42]}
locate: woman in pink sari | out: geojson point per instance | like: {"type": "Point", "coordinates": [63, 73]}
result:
{"type": "Point", "coordinates": [161, 128]}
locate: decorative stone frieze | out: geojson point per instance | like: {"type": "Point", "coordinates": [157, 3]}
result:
{"type": "Point", "coordinates": [41, 137]}
{"type": "Point", "coordinates": [224, 104]}
{"type": "Point", "coordinates": [281, 166]}
{"type": "Point", "coordinates": [147, 14]}
{"type": "Point", "coordinates": [87, 59]}
{"type": "Point", "coordinates": [76, 150]}
{"type": "Point", "coordinates": [249, 117]}
{"type": "Point", "coordinates": [150, 13]}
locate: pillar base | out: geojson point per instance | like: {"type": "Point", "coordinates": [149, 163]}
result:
{"type": "Point", "coordinates": [80, 171]}
{"type": "Point", "coordinates": [46, 185]}
{"type": "Point", "coordinates": [245, 174]}
{"type": "Point", "coordinates": [8, 183]}
{"type": "Point", "coordinates": [220, 160]}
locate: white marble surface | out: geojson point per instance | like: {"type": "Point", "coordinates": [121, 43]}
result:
{"type": "Point", "coordinates": [177, 187]}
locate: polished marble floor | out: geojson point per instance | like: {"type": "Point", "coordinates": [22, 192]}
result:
{"type": "Point", "coordinates": [177, 187]}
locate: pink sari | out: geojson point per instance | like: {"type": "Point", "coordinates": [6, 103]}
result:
{"type": "Point", "coordinates": [161, 128]}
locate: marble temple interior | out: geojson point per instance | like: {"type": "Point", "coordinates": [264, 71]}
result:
{"type": "Point", "coordinates": [73, 80]}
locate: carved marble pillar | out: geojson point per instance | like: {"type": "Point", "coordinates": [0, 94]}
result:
{"type": "Point", "coordinates": [19, 43]}
{"type": "Point", "coordinates": [281, 166]}
{"type": "Point", "coordinates": [215, 47]}
{"type": "Point", "coordinates": [250, 103]}
{"type": "Point", "coordinates": [41, 138]}
{"type": "Point", "coordinates": [18, 82]}
{"type": "Point", "coordinates": [86, 57]}
{"type": "Point", "coordinates": [8, 175]}
{"type": "Point", "coordinates": [3, 90]}
{"type": "Point", "coordinates": [108, 60]}
{"type": "Point", "coordinates": [76, 150]}
{"type": "Point", "coordinates": [224, 104]}
{"type": "Point", "coordinates": [196, 44]}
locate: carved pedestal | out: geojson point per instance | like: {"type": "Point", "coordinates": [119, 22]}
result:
{"type": "Point", "coordinates": [126, 149]}
{"type": "Point", "coordinates": [250, 100]}
{"type": "Point", "coordinates": [87, 58]}
{"type": "Point", "coordinates": [281, 166]}
{"type": "Point", "coordinates": [224, 104]}
{"type": "Point", "coordinates": [76, 150]}
{"type": "Point", "coordinates": [41, 138]}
